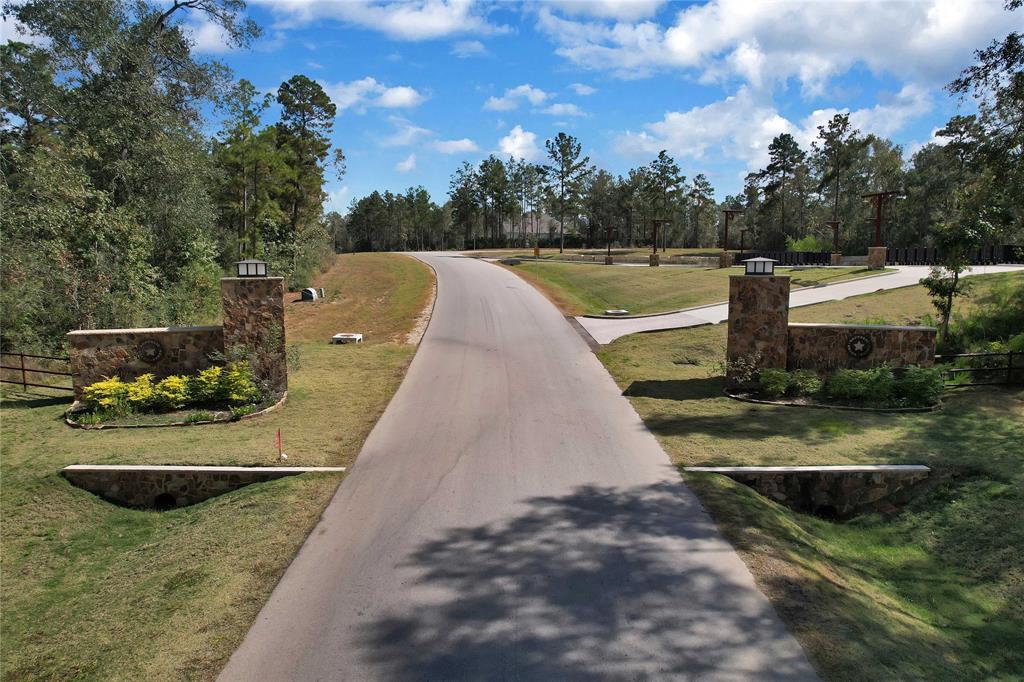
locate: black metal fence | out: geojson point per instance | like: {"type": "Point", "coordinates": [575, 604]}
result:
{"type": "Point", "coordinates": [790, 257]}
{"type": "Point", "coordinates": [986, 255]}
{"type": "Point", "coordinates": [982, 369]}
{"type": "Point", "coordinates": [38, 368]}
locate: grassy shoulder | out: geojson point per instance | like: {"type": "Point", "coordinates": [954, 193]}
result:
{"type": "Point", "coordinates": [133, 594]}
{"type": "Point", "coordinates": [553, 254]}
{"type": "Point", "coordinates": [934, 592]}
{"type": "Point", "coordinates": [593, 289]}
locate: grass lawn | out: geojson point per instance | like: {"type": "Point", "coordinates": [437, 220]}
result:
{"type": "Point", "coordinates": [623, 251]}
{"type": "Point", "coordinates": [935, 592]}
{"type": "Point", "coordinates": [592, 289]}
{"type": "Point", "coordinates": [94, 591]}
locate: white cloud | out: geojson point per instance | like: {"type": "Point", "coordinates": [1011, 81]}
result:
{"type": "Point", "coordinates": [406, 133]}
{"type": "Point", "coordinates": [13, 30]}
{"type": "Point", "coordinates": [463, 146]}
{"type": "Point", "coordinates": [623, 10]}
{"type": "Point", "coordinates": [514, 96]}
{"type": "Point", "coordinates": [469, 48]}
{"type": "Point", "coordinates": [207, 37]}
{"type": "Point", "coordinates": [410, 20]}
{"type": "Point", "coordinates": [562, 109]}
{"type": "Point", "coordinates": [520, 144]}
{"type": "Point", "coordinates": [743, 125]}
{"type": "Point", "coordinates": [407, 164]}
{"type": "Point", "coordinates": [368, 92]}
{"type": "Point", "coordinates": [769, 42]}
{"type": "Point", "coordinates": [336, 199]}
{"type": "Point", "coordinates": [582, 89]}
{"type": "Point", "coordinates": [314, 65]}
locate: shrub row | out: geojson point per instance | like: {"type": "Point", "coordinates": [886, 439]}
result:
{"type": "Point", "coordinates": [877, 387]}
{"type": "Point", "coordinates": [232, 384]}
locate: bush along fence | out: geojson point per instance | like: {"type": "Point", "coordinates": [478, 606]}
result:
{"type": "Point", "coordinates": [982, 369]}
{"type": "Point", "coordinates": [18, 368]}
{"type": "Point", "coordinates": [1007, 254]}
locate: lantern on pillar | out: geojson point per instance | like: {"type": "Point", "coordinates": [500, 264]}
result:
{"type": "Point", "coordinates": [251, 268]}
{"type": "Point", "coordinates": [760, 266]}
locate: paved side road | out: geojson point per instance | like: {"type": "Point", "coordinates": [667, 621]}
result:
{"type": "Point", "coordinates": [605, 331]}
{"type": "Point", "coordinates": [511, 518]}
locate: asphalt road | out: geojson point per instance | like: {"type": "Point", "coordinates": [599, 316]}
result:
{"type": "Point", "coordinates": [511, 518]}
{"type": "Point", "coordinates": [607, 330]}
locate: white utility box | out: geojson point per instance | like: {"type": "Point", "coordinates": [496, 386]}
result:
{"type": "Point", "coordinates": [347, 338]}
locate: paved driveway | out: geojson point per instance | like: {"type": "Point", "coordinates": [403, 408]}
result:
{"type": "Point", "coordinates": [511, 518]}
{"type": "Point", "coordinates": [607, 330]}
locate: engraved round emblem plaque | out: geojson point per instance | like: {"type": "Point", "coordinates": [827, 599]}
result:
{"type": "Point", "coordinates": [150, 351]}
{"type": "Point", "coordinates": [859, 345]}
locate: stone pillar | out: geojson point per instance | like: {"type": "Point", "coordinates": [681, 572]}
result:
{"type": "Point", "coordinates": [254, 319]}
{"type": "Point", "coordinates": [608, 260]}
{"type": "Point", "coordinates": [654, 260]}
{"type": "Point", "coordinates": [836, 258]}
{"type": "Point", "coordinates": [726, 259]}
{"type": "Point", "coordinates": [758, 319]}
{"type": "Point", "coordinates": [876, 257]}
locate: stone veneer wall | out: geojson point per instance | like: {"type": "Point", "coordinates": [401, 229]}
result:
{"type": "Point", "coordinates": [99, 353]}
{"type": "Point", "coordinates": [823, 347]}
{"type": "Point", "coordinates": [254, 318]}
{"type": "Point", "coordinates": [758, 318]}
{"type": "Point", "coordinates": [876, 257]}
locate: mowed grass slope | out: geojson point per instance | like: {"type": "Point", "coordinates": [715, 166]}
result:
{"type": "Point", "coordinates": [94, 591]}
{"type": "Point", "coordinates": [935, 592]}
{"type": "Point", "coordinates": [584, 289]}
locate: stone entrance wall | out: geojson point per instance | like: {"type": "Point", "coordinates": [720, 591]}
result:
{"type": "Point", "coordinates": [254, 318]}
{"type": "Point", "coordinates": [826, 347]}
{"type": "Point", "coordinates": [127, 353]}
{"type": "Point", "coordinates": [758, 319]}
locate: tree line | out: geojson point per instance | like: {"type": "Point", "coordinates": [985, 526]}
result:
{"type": "Point", "coordinates": [118, 210]}
{"type": "Point", "coordinates": [970, 180]}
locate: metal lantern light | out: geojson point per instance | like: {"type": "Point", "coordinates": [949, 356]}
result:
{"type": "Point", "coordinates": [251, 268]}
{"type": "Point", "coordinates": [760, 266]}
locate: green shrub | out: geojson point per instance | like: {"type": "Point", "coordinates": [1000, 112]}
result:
{"type": "Point", "coordinates": [773, 383]}
{"type": "Point", "coordinates": [205, 387]}
{"type": "Point", "coordinates": [199, 417]}
{"type": "Point", "coordinates": [874, 386]}
{"type": "Point", "coordinates": [171, 393]}
{"type": "Point", "coordinates": [110, 392]}
{"type": "Point", "coordinates": [808, 243]}
{"type": "Point", "coordinates": [140, 392]}
{"type": "Point", "coordinates": [241, 411]}
{"type": "Point", "coordinates": [919, 386]}
{"type": "Point", "coordinates": [238, 385]}
{"type": "Point", "coordinates": [803, 382]}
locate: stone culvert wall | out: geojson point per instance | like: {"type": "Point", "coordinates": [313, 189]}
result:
{"type": "Point", "coordinates": [128, 353]}
{"type": "Point", "coordinates": [838, 491]}
{"type": "Point", "coordinates": [827, 347]}
{"type": "Point", "coordinates": [254, 318]}
{"type": "Point", "coordinates": [164, 487]}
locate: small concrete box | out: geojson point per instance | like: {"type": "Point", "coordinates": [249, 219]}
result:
{"type": "Point", "coordinates": [310, 294]}
{"type": "Point", "coordinates": [347, 338]}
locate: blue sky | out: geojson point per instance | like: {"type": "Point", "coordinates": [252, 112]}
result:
{"type": "Point", "coordinates": [423, 85]}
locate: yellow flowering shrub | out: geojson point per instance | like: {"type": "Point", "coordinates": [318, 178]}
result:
{"type": "Point", "coordinates": [205, 387]}
{"type": "Point", "coordinates": [111, 392]}
{"type": "Point", "coordinates": [171, 392]}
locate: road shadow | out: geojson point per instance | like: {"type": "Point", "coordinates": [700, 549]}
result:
{"type": "Point", "coordinates": [602, 583]}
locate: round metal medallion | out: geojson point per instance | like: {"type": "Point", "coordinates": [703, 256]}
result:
{"type": "Point", "coordinates": [150, 351]}
{"type": "Point", "coordinates": [859, 345]}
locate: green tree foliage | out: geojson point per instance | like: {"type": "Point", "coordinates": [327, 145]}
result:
{"type": "Point", "coordinates": [118, 210]}
{"type": "Point", "coordinates": [565, 175]}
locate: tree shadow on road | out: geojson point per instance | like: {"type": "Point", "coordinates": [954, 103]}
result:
{"type": "Point", "coordinates": [603, 582]}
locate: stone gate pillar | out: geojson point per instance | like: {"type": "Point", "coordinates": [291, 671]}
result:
{"type": "Point", "coordinates": [758, 319]}
{"type": "Point", "coordinates": [254, 318]}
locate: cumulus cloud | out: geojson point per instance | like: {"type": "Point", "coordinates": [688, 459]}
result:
{"type": "Point", "coordinates": [407, 164]}
{"type": "Point", "coordinates": [411, 20]}
{"type": "Point", "coordinates": [582, 89]}
{"type": "Point", "coordinates": [514, 96]}
{"type": "Point", "coordinates": [743, 125]}
{"type": "Point", "coordinates": [520, 144]}
{"type": "Point", "coordinates": [368, 92]}
{"type": "Point", "coordinates": [623, 10]}
{"type": "Point", "coordinates": [463, 146]}
{"type": "Point", "coordinates": [563, 109]}
{"type": "Point", "coordinates": [405, 134]}
{"type": "Point", "coordinates": [468, 48]}
{"type": "Point", "coordinates": [768, 42]}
